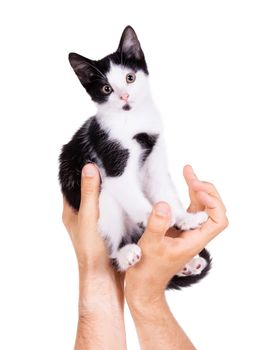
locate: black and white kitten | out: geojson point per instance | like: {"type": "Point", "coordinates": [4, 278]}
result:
{"type": "Point", "coordinates": [125, 140]}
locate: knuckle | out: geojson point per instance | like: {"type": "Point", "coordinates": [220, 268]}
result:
{"type": "Point", "coordinates": [210, 185]}
{"type": "Point", "coordinates": [63, 216]}
{"type": "Point", "coordinates": [89, 214]}
{"type": "Point", "coordinates": [177, 248]}
{"type": "Point", "coordinates": [157, 225]}
{"type": "Point", "coordinates": [88, 188]}
{"type": "Point", "coordinates": [225, 222]}
{"type": "Point", "coordinates": [207, 183]}
{"type": "Point", "coordinates": [64, 219]}
{"type": "Point", "coordinates": [152, 230]}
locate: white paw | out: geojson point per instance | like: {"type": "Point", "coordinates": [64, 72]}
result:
{"type": "Point", "coordinates": [128, 256]}
{"type": "Point", "coordinates": [194, 267]}
{"type": "Point", "coordinates": [190, 221]}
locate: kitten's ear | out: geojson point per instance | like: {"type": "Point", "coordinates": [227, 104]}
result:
{"type": "Point", "coordinates": [130, 45]}
{"type": "Point", "coordinates": [83, 67]}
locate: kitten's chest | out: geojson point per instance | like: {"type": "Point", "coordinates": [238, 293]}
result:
{"type": "Point", "coordinates": [135, 132]}
{"type": "Point", "coordinates": [126, 142]}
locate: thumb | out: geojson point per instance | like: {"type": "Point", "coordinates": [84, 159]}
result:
{"type": "Point", "coordinates": [90, 183]}
{"type": "Point", "coordinates": [159, 220]}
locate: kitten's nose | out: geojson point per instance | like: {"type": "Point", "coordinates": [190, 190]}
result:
{"type": "Point", "coordinates": [124, 97]}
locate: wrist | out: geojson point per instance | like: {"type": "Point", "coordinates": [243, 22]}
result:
{"type": "Point", "coordinates": [140, 302]}
{"type": "Point", "coordinates": [143, 293]}
{"type": "Point", "coordinates": [154, 311]}
{"type": "Point", "coordinates": [100, 293]}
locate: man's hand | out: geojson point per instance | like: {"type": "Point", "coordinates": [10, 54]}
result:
{"type": "Point", "coordinates": [101, 297]}
{"type": "Point", "coordinates": [164, 252]}
{"type": "Point", "coordinates": [90, 248]}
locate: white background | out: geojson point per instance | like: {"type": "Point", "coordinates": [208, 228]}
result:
{"type": "Point", "coordinates": [202, 59]}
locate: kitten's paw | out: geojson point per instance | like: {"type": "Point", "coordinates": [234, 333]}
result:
{"type": "Point", "coordinates": [128, 256]}
{"type": "Point", "coordinates": [194, 267]}
{"type": "Point", "coordinates": [190, 221]}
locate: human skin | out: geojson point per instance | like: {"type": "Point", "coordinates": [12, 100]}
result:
{"type": "Point", "coordinates": [164, 252]}
{"type": "Point", "coordinates": [101, 297]}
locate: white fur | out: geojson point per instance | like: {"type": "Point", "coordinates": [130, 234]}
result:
{"type": "Point", "coordinates": [128, 256]}
{"type": "Point", "coordinates": [194, 267]}
{"type": "Point", "coordinates": [127, 200]}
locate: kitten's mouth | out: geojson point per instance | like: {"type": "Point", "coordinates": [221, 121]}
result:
{"type": "Point", "coordinates": [126, 107]}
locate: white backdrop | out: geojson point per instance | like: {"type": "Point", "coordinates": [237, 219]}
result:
{"type": "Point", "coordinates": [202, 59]}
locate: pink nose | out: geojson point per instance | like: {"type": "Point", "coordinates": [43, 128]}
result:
{"type": "Point", "coordinates": [124, 97]}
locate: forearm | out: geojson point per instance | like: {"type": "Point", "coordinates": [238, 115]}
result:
{"type": "Point", "coordinates": [101, 329]}
{"type": "Point", "coordinates": [101, 321]}
{"type": "Point", "coordinates": [156, 327]}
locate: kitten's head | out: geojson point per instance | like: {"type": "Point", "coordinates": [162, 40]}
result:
{"type": "Point", "coordinates": [118, 81]}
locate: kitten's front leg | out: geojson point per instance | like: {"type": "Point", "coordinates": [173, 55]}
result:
{"type": "Point", "coordinates": [127, 191]}
{"type": "Point", "coordinates": [159, 187]}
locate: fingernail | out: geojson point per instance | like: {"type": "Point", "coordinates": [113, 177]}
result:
{"type": "Point", "coordinates": [89, 170]}
{"type": "Point", "coordinates": [162, 209]}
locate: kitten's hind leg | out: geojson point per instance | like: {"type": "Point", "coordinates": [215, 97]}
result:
{"type": "Point", "coordinates": [112, 227]}
{"type": "Point", "coordinates": [111, 224]}
{"type": "Point", "coordinates": [129, 253]}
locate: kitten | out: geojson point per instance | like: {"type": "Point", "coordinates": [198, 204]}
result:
{"type": "Point", "coordinates": [125, 140]}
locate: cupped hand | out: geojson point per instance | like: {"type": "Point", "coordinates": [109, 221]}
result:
{"type": "Point", "coordinates": [165, 251]}
{"type": "Point", "coordinates": [91, 251]}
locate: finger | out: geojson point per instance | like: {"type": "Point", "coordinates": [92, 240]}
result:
{"type": "Point", "coordinates": [159, 221]}
{"type": "Point", "coordinates": [197, 185]}
{"type": "Point", "coordinates": [215, 224]}
{"type": "Point", "coordinates": [68, 213]}
{"type": "Point", "coordinates": [90, 184]}
{"type": "Point", "coordinates": [190, 176]}
{"type": "Point", "coordinates": [67, 208]}
{"type": "Point", "coordinates": [213, 205]}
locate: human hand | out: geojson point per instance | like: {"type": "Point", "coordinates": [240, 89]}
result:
{"type": "Point", "coordinates": [164, 253]}
{"type": "Point", "coordinates": [97, 277]}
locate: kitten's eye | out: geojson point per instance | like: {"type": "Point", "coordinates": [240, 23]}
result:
{"type": "Point", "coordinates": [107, 89]}
{"type": "Point", "coordinates": [130, 78]}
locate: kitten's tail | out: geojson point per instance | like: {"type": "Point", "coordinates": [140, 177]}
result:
{"type": "Point", "coordinates": [178, 282]}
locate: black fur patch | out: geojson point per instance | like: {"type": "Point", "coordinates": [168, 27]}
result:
{"type": "Point", "coordinates": [178, 282]}
{"type": "Point", "coordinates": [126, 107]}
{"type": "Point", "coordinates": [147, 142]}
{"type": "Point", "coordinates": [132, 238]}
{"type": "Point", "coordinates": [115, 264]}
{"type": "Point", "coordinates": [90, 144]}
{"type": "Point", "coordinates": [92, 75]}
{"type": "Point", "coordinates": [73, 157]}
{"type": "Point", "coordinates": [135, 65]}
{"type": "Point", "coordinates": [114, 158]}
{"type": "Point", "coordinates": [129, 52]}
